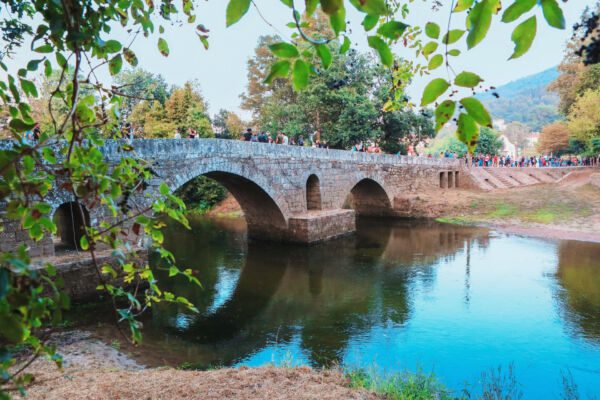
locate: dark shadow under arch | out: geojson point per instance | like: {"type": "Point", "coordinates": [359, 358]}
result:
{"type": "Point", "coordinates": [263, 216]}
{"type": "Point", "coordinates": [70, 226]}
{"type": "Point", "coordinates": [369, 198]}
{"type": "Point", "coordinates": [313, 193]}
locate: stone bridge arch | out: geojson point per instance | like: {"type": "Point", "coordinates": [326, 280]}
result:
{"type": "Point", "coordinates": [367, 195]}
{"type": "Point", "coordinates": [265, 213]}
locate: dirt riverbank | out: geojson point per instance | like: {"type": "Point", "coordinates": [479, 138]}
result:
{"type": "Point", "coordinates": [95, 370]}
{"type": "Point", "coordinates": [569, 210]}
{"type": "Point", "coordinates": [547, 211]}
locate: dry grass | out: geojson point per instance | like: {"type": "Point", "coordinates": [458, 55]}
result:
{"type": "Point", "coordinates": [167, 383]}
{"type": "Point", "coordinates": [95, 370]}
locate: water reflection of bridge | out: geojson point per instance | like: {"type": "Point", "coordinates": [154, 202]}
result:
{"type": "Point", "coordinates": [321, 296]}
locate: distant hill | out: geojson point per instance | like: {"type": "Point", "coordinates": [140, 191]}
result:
{"type": "Point", "coordinates": [525, 100]}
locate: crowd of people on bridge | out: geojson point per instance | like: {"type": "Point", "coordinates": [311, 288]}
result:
{"type": "Point", "coordinates": [488, 160]}
{"type": "Point", "coordinates": [282, 138]}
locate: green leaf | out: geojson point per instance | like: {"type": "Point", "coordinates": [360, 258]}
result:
{"type": "Point", "coordinates": [236, 9]}
{"type": "Point", "coordinates": [369, 22]}
{"type": "Point", "coordinates": [325, 55]}
{"type": "Point", "coordinates": [462, 5]}
{"type": "Point", "coordinates": [553, 14]}
{"type": "Point", "coordinates": [433, 90]}
{"type": "Point", "coordinates": [115, 64]}
{"type": "Point", "coordinates": [338, 20]}
{"type": "Point", "coordinates": [477, 111]}
{"type": "Point", "coordinates": [432, 30]}
{"type": "Point", "coordinates": [523, 36]}
{"type": "Point", "coordinates": [83, 243]}
{"type": "Point", "coordinates": [130, 57]}
{"type": "Point", "coordinates": [279, 69]}
{"type": "Point", "coordinates": [480, 19]}
{"type": "Point", "coordinates": [288, 3]}
{"type": "Point", "coordinates": [47, 68]}
{"type": "Point", "coordinates": [4, 283]}
{"type": "Point", "coordinates": [454, 52]}
{"type": "Point", "coordinates": [11, 328]}
{"type": "Point", "coordinates": [45, 48]}
{"type": "Point", "coordinates": [385, 54]}
{"type": "Point", "coordinates": [284, 50]}
{"type": "Point", "coordinates": [61, 60]}
{"type": "Point", "coordinates": [435, 62]}
{"type": "Point", "coordinates": [163, 47]}
{"type": "Point", "coordinates": [443, 113]}
{"type": "Point", "coordinates": [392, 30]}
{"type": "Point", "coordinates": [453, 36]}
{"type": "Point", "coordinates": [300, 74]}
{"type": "Point", "coordinates": [48, 155]}
{"type": "Point", "coordinates": [203, 40]}
{"type": "Point", "coordinates": [429, 48]}
{"type": "Point", "coordinates": [330, 7]}
{"type": "Point", "coordinates": [518, 8]}
{"type": "Point", "coordinates": [345, 46]}
{"type": "Point", "coordinates": [164, 189]}
{"type": "Point", "coordinates": [467, 79]}
{"type": "Point", "coordinates": [33, 64]}
{"type": "Point", "coordinates": [374, 7]}
{"type": "Point", "coordinates": [468, 131]}
{"type": "Point", "coordinates": [311, 6]}
{"type": "Point", "coordinates": [19, 125]}
{"type": "Point", "coordinates": [29, 88]}
{"type": "Point", "coordinates": [112, 46]}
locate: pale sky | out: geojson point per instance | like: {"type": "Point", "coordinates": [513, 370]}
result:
{"type": "Point", "coordinates": [221, 70]}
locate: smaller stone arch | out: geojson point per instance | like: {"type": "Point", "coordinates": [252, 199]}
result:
{"type": "Point", "coordinates": [313, 193]}
{"type": "Point", "coordinates": [70, 224]}
{"type": "Point", "coordinates": [369, 198]}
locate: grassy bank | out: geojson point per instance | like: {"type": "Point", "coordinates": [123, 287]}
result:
{"type": "Point", "coordinates": [494, 384]}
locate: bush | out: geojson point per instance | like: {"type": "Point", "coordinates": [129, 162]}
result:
{"type": "Point", "coordinates": [201, 193]}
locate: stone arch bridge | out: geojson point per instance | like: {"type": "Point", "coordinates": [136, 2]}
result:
{"type": "Point", "coordinates": [287, 193]}
{"type": "Point", "coordinates": [297, 193]}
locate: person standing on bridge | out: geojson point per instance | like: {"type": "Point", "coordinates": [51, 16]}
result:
{"type": "Point", "coordinates": [247, 135]}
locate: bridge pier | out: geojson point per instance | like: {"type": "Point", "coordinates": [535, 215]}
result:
{"type": "Point", "coordinates": [317, 226]}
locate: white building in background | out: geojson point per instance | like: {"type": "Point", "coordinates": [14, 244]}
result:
{"type": "Point", "coordinates": [499, 124]}
{"type": "Point", "coordinates": [508, 148]}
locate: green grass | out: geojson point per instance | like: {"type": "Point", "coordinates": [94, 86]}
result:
{"type": "Point", "coordinates": [503, 210]}
{"type": "Point", "coordinates": [457, 220]}
{"type": "Point", "coordinates": [493, 384]}
{"type": "Point", "coordinates": [400, 386]}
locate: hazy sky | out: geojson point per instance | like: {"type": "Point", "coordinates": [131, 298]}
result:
{"type": "Point", "coordinates": [221, 70]}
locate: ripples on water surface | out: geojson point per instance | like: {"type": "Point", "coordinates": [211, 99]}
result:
{"type": "Point", "coordinates": [398, 295]}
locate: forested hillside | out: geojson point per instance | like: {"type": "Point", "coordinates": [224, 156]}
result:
{"type": "Point", "coordinates": [526, 100]}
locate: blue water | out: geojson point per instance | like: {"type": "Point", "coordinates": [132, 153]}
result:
{"type": "Point", "coordinates": [401, 295]}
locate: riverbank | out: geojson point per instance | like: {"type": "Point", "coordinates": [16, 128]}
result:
{"type": "Point", "coordinates": [553, 211]}
{"type": "Point", "coordinates": [96, 370]}
{"type": "Point", "coordinates": [569, 210]}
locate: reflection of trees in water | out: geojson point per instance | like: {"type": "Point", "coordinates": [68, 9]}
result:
{"type": "Point", "coordinates": [579, 276]}
{"type": "Point", "coordinates": [329, 293]}
{"type": "Point", "coordinates": [206, 248]}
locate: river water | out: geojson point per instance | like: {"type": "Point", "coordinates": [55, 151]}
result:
{"type": "Point", "coordinates": [397, 295]}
